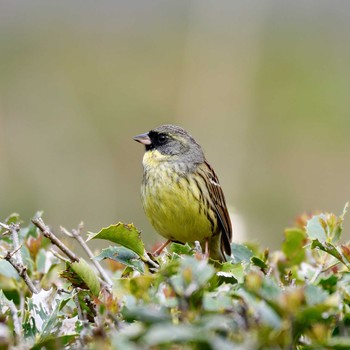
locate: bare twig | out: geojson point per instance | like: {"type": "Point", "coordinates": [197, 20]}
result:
{"type": "Point", "coordinates": [14, 229]}
{"type": "Point", "coordinates": [76, 301]}
{"type": "Point", "coordinates": [76, 234]}
{"type": "Point", "coordinates": [14, 257]}
{"type": "Point", "coordinates": [13, 252]}
{"type": "Point", "coordinates": [6, 227]}
{"type": "Point", "coordinates": [22, 271]}
{"type": "Point", "coordinates": [39, 223]}
{"type": "Point", "coordinates": [58, 255]}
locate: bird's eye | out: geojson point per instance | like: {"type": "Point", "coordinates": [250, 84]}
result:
{"type": "Point", "coordinates": [161, 139]}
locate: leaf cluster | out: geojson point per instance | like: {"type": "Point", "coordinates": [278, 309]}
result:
{"type": "Point", "coordinates": [294, 298]}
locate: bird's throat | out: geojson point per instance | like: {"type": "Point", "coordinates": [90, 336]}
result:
{"type": "Point", "coordinates": [153, 158]}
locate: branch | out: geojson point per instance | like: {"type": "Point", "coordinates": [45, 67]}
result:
{"type": "Point", "coordinates": [76, 301]}
{"type": "Point", "coordinates": [14, 229]}
{"type": "Point", "coordinates": [22, 271]}
{"type": "Point", "coordinates": [39, 223]}
{"type": "Point", "coordinates": [15, 257]}
{"type": "Point", "coordinates": [58, 255]}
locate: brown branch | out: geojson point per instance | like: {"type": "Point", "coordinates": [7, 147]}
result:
{"type": "Point", "coordinates": [14, 257]}
{"type": "Point", "coordinates": [22, 271]}
{"type": "Point", "coordinates": [39, 223]}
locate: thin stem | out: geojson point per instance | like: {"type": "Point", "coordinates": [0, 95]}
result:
{"type": "Point", "coordinates": [39, 223]}
{"type": "Point", "coordinates": [58, 256]}
{"type": "Point", "coordinates": [76, 301]}
{"type": "Point", "coordinates": [14, 229]}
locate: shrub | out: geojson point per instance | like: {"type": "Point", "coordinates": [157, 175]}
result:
{"type": "Point", "coordinates": [295, 298]}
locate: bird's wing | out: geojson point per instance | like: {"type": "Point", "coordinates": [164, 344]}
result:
{"type": "Point", "coordinates": [220, 207]}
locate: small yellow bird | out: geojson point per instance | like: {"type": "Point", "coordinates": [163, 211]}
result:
{"type": "Point", "coordinates": [181, 194]}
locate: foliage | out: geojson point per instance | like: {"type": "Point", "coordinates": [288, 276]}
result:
{"type": "Point", "coordinates": [296, 298]}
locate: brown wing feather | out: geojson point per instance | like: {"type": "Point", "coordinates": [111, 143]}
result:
{"type": "Point", "coordinates": [220, 206]}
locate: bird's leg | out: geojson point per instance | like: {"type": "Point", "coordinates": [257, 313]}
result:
{"type": "Point", "coordinates": [160, 249]}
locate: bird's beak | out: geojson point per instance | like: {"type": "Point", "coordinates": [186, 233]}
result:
{"type": "Point", "coordinates": [143, 138]}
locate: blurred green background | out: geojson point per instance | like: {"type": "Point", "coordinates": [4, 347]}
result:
{"type": "Point", "coordinates": [262, 85]}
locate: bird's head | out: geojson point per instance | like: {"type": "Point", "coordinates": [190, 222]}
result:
{"type": "Point", "coordinates": [171, 143]}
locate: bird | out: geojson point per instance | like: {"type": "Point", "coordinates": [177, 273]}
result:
{"type": "Point", "coordinates": [181, 194]}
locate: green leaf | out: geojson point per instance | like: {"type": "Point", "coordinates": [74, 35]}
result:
{"type": "Point", "coordinates": [311, 314]}
{"type": "Point", "coordinates": [314, 228]}
{"type": "Point", "coordinates": [63, 303]}
{"type": "Point", "coordinates": [330, 249]}
{"type": "Point", "coordinates": [329, 283]}
{"type": "Point", "coordinates": [293, 245]}
{"type": "Point", "coordinates": [87, 275]}
{"type": "Point", "coordinates": [54, 342]}
{"type": "Point", "coordinates": [241, 253]}
{"type": "Point", "coordinates": [146, 314]}
{"type": "Point", "coordinates": [192, 276]}
{"type": "Point", "coordinates": [122, 255]}
{"type": "Point", "coordinates": [27, 259]}
{"type": "Point", "coordinates": [262, 310]}
{"type": "Point", "coordinates": [50, 324]}
{"type": "Point", "coordinates": [230, 271]}
{"type": "Point", "coordinates": [238, 272]}
{"type": "Point", "coordinates": [268, 315]}
{"type": "Point", "coordinates": [169, 334]}
{"type": "Point", "coordinates": [215, 302]}
{"type": "Point", "coordinates": [41, 307]}
{"type": "Point", "coordinates": [4, 303]}
{"type": "Point", "coordinates": [7, 270]}
{"type": "Point", "coordinates": [270, 290]}
{"type": "Point", "coordinates": [124, 234]}
{"type": "Point", "coordinates": [339, 226]}
{"type": "Point", "coordinates": [315, 295]}
{"type": "Point", "coordinates": [12, 219]}
{"type": "Point", "coordinates": [178, 248]}
{"type": "Point", "coordinates": [41, 260]}
{"type": "Point", "coordinates": [259, 263]}
{"type": "Point", "coordinates": [193, 270]}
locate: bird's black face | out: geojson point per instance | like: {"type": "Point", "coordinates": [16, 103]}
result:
{"type": "Point", "coordinates": [168, 143]}
{"type": "Point", "coordinates": [158, 139]}
{"type": "Point", "coordinates": [171, 140]}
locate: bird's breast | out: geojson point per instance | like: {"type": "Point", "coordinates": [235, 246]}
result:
{"type": "Point", "coordinates": [174, 201]}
